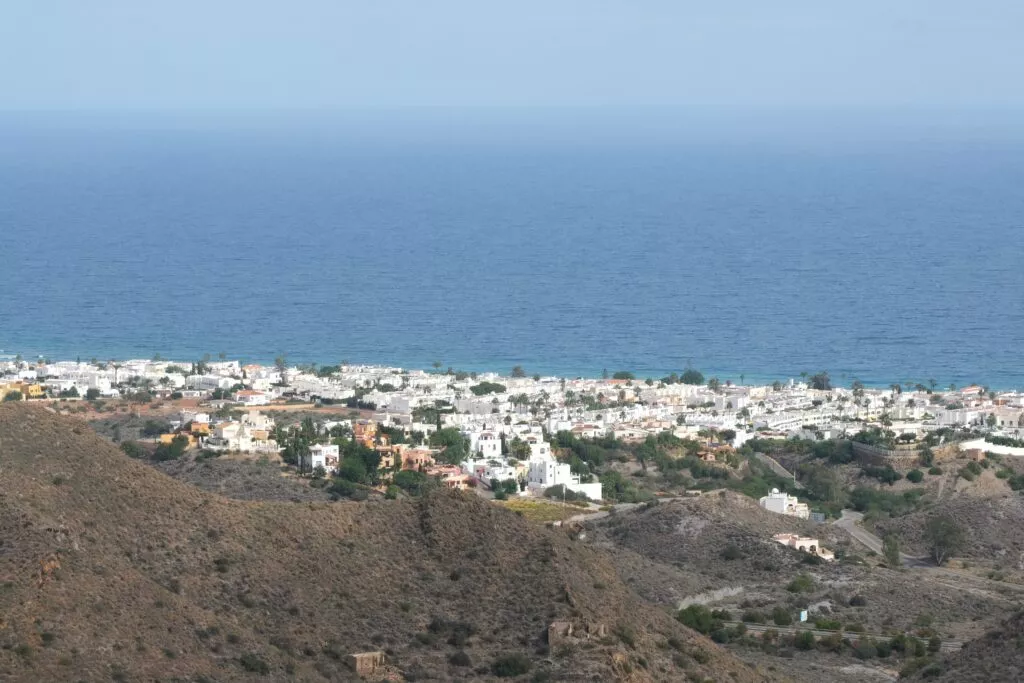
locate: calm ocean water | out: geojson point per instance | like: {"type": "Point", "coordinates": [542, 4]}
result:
{"type": "Point", "coordinates": [885, 262]}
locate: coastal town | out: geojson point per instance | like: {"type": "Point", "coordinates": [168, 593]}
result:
{"type": "Point", "coordinates": [491, 432]}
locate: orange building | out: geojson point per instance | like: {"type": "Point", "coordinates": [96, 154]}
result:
{"type": "Point", "coordinates": [417, 458]}
{"type": "Point", "coordinates": [366, 432]}
{"type": "Point", "coordinates": [451, 476]}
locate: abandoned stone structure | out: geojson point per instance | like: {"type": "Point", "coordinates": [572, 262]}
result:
{"type": "Point", "coordinates": [565, 632]}
{"type": "Point", "coordinates": [366, 663]}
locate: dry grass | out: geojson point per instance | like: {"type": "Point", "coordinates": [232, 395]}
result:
{"type": "Point", "coordinates": [540, 511]}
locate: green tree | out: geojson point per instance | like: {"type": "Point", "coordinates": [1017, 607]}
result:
{"type": "Point", "coordinates": [821, 381]}
{"type": "Point", "coordinates": [891, 551]}
{"type": "Point", "coordinates": [485, 388]}
{"type": "Point", "coordinates": [281, 365]}
{"type": "Point", "coordinates": [455, 445]}
{"type": "Point", "coordinates": [518, 371]}
{"type": "Point", "coordinates": [132, 449]}
{"type": "Point", "coordinates": [519, 449]}
{"type": "Point", "coordinates": [624, 374]}
{"type": "Point", "coordinates": [699, 618]}
{"type": "Point", "coordinates": [714, 384]}
{"type": "Point", "coordinates": [12, 396]}
{"type": "Point", "coordinates": [692, 376]}
{"type": "Point", "coordinates": [172, 451]}
{"type": "Point", "coordinates": [804, 640]}
{"type": "Point", "coordinates": [411, 482]}
{"type": "Point", "coordinates": [944, 536]}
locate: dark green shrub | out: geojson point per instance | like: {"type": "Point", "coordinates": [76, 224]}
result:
{"type": "Point", "coordinates": [864, 649]}
{"type": "Point", "coordinates": [731, 552]}
{"type": "Point", "coordinates": [626, 634]}
{"type": "Point", "coordinates": [132, 449]}
{"type": "Point", "coordinates": [699, 618]}
{"type": "Point", "coordinates": [781, 616]}
{"type": "Point", "coordinates": [801, 584]}
{"type": "Point", "coordinates": [460, 658]}
{"type": "Point", "coordinates": [252, 662]}
{"type": "Point", "coordinates": [913, 666]}
{"type": "Point", "coordinates": [510, 665]}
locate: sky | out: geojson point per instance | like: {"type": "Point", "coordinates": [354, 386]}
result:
{"type": "Point", "coordinates": [213, 55]}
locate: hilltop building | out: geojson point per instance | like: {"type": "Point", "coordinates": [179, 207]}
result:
{"type": "Point", "coordinates": [785, 504]}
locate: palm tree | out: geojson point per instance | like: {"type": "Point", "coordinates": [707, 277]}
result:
{"type": "Point", "coordinates": [117, 366]}
{"type": "Point", "coordinates": [281, 364]}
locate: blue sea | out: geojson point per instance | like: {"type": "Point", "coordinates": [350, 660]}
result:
{"type": "Point", "coordinates": [886, 255]}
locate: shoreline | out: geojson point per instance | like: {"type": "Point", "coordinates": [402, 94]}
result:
{"type": "Point", "coordinates": [839, 379]}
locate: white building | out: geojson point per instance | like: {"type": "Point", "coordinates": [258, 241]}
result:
{"type": "Point", "coordinates": [248, 397]}
{"type": "Point", "coordinates": [208, 382]}
{"type": "Point", "coordinates": [785, 504]}
{"type": "Point", "coordinates": [546, 472]}
{"type": "Point", "coordinates": [323, 455]}
{"type": "Point", "coordinates": [806, 544]}
{"type": "Point", "coordinates": [487, 444]}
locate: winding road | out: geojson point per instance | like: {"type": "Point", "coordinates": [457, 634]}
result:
{"type": "Point", "coordinates": [850, 522]}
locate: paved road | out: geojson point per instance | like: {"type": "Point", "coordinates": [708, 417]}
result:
{"type": "Point", "coordinates": [947, 645]}
{"type": "Point", "coordinates": [850, 522]}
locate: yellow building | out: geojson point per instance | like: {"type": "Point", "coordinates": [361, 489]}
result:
{"type": "Point", "coordinates": [27, 390]}
{"type": "Point", "coordinates": [34, 391]}
{"type": "Point", "coordinates": [168, 438]}
{"type": "Point", "coordinates": [201, 428]}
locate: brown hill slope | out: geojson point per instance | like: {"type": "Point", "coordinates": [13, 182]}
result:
{"type": "Point", "coordinates": [694, 533]}
{"type": "Point", "coordinates": [995, 526]}
{"type": "Point", "coordinates": [996, 656]}
{"type": "Point", "coordinates": [110, 570]}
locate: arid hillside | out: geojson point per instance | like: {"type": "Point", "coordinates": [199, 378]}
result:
{"type": "Point", "coordinates": [996, 656]}
{"type": "Point", "coordinates": [716, 550]}
{"type": "Point", "coordinates": [111, 570]}
{"type": "Point", "coordinates": [994, 526]}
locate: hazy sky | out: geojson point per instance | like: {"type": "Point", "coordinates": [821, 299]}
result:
{"type": "Point", "coordinates": [313, 54]}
